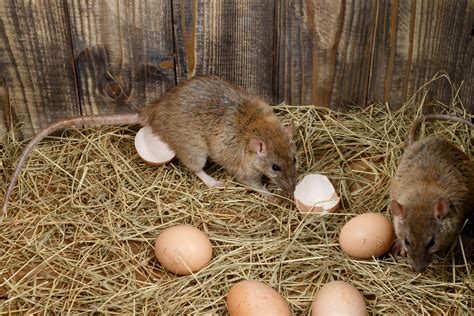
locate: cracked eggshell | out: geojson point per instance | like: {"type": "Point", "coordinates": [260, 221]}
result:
{"type": "Point", "coordinates": [183, 249]}
{"type": "Point", "coordinates": [367, 235]}
{"type": "Point", "coordinates": [255, 298]}
{"type": "Point", "coordinates": [151, 148]}
{"type": "Point", "coordinates": [315, 194]}
{"type": "Point", "coordinates": [338, 298]}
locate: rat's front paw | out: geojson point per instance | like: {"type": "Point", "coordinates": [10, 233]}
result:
{"type": "Point", "coordinates": [217, 185]}
{"type": "Point", "coordinates": [398, 249]}
{"type": "Point", "coordinates": [272, 199]}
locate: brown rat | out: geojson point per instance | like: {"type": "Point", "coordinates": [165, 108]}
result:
{"type": "Point", "coordinates": [208, 117]}
{"type": "Point", "coordinates": [432, 195]}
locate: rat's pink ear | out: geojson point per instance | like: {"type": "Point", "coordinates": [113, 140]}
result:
{"type": "Point", "coordinates": [397, 209]}
{"type": "Point", "coordinates": [290, 129]}
{"type": "Point", "coordinates": [257, 146]}
{"type": "Point", "coordinates": [441, 208]}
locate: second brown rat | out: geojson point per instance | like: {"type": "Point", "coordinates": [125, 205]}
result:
{"type": "Point", "coordinates": [432, 195]}
{"type": "Point", "coordinates": [207, 117]}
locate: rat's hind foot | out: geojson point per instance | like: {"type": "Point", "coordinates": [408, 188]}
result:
{"type": "Point", "coordinates": [398, 249]}
{"type": "Point", "coordinates": [210, 181]}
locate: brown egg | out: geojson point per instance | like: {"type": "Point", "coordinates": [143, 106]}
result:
{"type": "Point", "coordinates": [315, 194]}
{"type": "Point", "coordinates": [151, 148]}
{"type": "Point", "coordinates": [367, 235]}
{"type": "Point", "coordinates": [183, 249]}
{"type": "Point", "coordinates": [365, 174]}
{"type": "Point", "coordinates": [338, 298]}
{"type": "Point", "coordinates": [255, 298]}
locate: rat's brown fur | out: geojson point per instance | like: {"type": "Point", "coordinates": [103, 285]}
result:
{"type": "Point", "coordinates": [432, 194]}
{"type": "Point", "coordinates": [207, 117]}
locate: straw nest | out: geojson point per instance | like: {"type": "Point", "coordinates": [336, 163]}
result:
{"type": "Point", "coordinates": [80, 231]}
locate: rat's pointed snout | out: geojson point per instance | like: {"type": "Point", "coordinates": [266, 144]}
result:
{"type": "Point", "coordinates": [419, 264]}
{"type": "Point", "coordinates": [291, 192]}
{"type": "Point", "coordinates": [290, 189]}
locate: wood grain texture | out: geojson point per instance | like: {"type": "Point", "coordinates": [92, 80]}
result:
{"type": "Point", "coordinates": [36, 66]}
{"type": "Point", "coordinates": [68, 58]}
{"type": "Point", "coordinates": [124, 53]}
{"type": "Point", "coordinates": [415, 40]}
{"type": "Point", "coordinates": [323, 51]}
{"type": "Point", "coordinates": [232, 39]}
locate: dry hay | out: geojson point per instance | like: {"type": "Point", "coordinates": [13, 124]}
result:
{"type": "Point", "coordinates": [84, 215]}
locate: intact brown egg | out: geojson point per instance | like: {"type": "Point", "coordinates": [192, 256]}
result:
{"type": "Point", "coordinates": [367, 235]}
{"type": "Point", "coordinates": [248, 298]}
{"type": "Point", "coordinates": [338, 298]}
{"type": "Point", "coordinates": [183, 249]}
{"type": "Point", "coordinates": [151, 148]}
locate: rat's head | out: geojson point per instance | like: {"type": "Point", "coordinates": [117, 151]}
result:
{"type": "Point", "coordinates": [275, 156]}
{"type": "Point", "coordinates": [423, 228]}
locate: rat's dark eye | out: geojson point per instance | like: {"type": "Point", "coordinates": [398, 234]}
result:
{"type": "Point", "coordinates": [276, 167]}
{"type": "Point", "coordinates": [407, 242]}
{"type": "Point", "coordinates": [294, 160]}
{"type": "Point", "coordinates": [431, 243]}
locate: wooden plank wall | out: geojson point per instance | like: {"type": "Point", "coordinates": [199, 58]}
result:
{"type": "Point", "coordinates": [62, 58]}
{"type": "Point", "coordinates": [324, 51]}
{"type": "Point", "coordinates": [232, 39]}
{"type": "Point", "coordinates": [123, 52]}
{"type": "Point", "coordinates": [36, 66]}
{"type": "Point", "coordinates": [416, 39]}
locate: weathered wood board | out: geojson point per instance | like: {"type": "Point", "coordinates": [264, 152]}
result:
{"type": "Point", "coordinates": [123, 51]}
{"type": "Point", "coordinates": [37, 82]}
{"type": "Point", "coordinates": [324, 51]}
{"type": "Point", "coordinates": [414, 40]}
{"type": "Point", "coordinates": [233, 39]}
{"type": "Point", "coordinates": [68, 58]}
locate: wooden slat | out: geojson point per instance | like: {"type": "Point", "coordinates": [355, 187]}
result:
{"type": "Point", "coordinates": [415, 40]}
{"type": "Point", "coordinates": [332, 53]}
{"type": "Point", "coordinates": [36, 66]}
{"type": "Point", "coordinates": [324, 51]}
{"type": "Point", "coordinates": [232, 39]}
{"type": "Point", "coordinates": [124, 53]}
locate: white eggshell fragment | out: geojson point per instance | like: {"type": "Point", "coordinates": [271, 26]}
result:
{"type": "Point", "coordinates": [367, 235]}
{"type": "Point", "coordinates": [248, 298]}
{"type": "Point", "coordinates": [338, 298]}
{"type": "Point", "coordinates": [183, 249]}
{"type": "Point", "coordinates": [151, 148]}
{"type": "Point", "coordinates": [315, 193]}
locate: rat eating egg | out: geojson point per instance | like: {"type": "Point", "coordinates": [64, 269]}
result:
{"type": "Point", "coordinates": [367, 235]}
{"type": "Point", "coordinates": [183, 249]}
{"type": "Point", "coordinates": [255, 298]}
{"type": "Point", "coordinates": [338, 298]}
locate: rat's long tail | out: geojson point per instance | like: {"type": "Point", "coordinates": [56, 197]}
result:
{"type": "Point", "coordinates": [433, 117]}
{"type": "Point", "coordinates": [101, 120]}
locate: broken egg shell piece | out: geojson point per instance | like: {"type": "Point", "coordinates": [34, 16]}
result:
{"type": "Point", "coordinates": [151, 148]}
{"type": "Point", "coordinates": [316, 194]}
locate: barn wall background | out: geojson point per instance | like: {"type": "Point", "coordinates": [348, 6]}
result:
{"type": "Point", "coordinates": [68, 58]}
